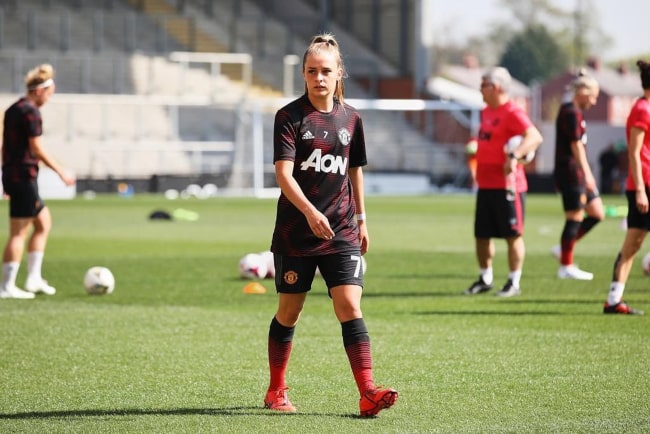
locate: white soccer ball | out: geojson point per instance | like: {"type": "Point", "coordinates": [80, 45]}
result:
{"type": "Point", "coordinates": [645, 264]}
{"type": "Point", "coordinates": [99, 280]}
{"type": "Point", "coordinates": [512, 144]}
{"type": "Point", "coordinates": [252, 266]}
{"type": "Point", "coordinates": [270, 265]}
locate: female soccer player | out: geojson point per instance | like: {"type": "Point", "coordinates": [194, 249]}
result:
{"type": "Point", "coordinates": [22, 151]}
{"type": "Point", "coordinates": [573, 177]}
{"type": "Point", "coordinates": [319, 150]}
{"type": "Point", "coordinates": [637, 191]}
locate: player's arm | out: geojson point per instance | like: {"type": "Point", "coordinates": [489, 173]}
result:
{"type": "Point", "coordinates": [635, 144]}
{"type": "Point", "coordinates": [531, 139]}
{"type": "Point", "coordinates": [580, 154]}
{"type": "Point", "coordinates": [36, 148]}
{"type": "Point", "coordinates": [317, 221]}
{"type": "Point", "coordinates": [356, 178]}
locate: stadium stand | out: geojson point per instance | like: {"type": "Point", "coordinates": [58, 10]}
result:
{"type": "Point", "coordinates": [121, 96]}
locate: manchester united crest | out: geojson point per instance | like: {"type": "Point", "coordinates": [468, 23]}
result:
{"type": "Point", "coordinates": [291, 277]}
{"type": "Point", "coordinates": [344, 136]}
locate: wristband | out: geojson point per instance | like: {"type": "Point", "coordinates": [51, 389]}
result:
{"type": "Point", "coordinates": [361, 216]}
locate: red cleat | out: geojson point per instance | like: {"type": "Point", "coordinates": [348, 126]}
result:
{"type": "Point", "coordinates": [375, 400]}
{"type": "Point", "coordinates": [278, 400]}
{"type": "Point", "coordinates": [622, 308]}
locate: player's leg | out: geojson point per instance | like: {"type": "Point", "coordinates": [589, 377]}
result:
{"type": "Point", "coordinates": [35, 252]}
{"type": "Point", "coordinates": [343, 275]}
{"type": "Point", "coordinates": [595, 214]}
{"type": "Point", "coordinates": [574, 202]}
{"type": "Point", "coordinates": [637, 228]}
{"type": "Point", "coordinates": [24, 204]}
{"type": "Point", "coordinates": [11, 258]}
{"type": "Point", "coordinates": [511, 228]}
{"type": "Point", "coordinates": [516, 255]}
{"type": "Point", "coordinates": [293, 279]}
{"type": "Point", "coordinates": [483, 244]}
{"type": "Point", "coordinates": [622, 265]}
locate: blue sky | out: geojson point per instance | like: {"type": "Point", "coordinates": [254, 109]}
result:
{"type": "Point", "coordinates": [627, 22]}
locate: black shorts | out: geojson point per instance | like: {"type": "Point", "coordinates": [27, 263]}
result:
{"type": "Point", "coordinates": [24, 200]}
{"type": "Point", "coordinates": [499, 214]}
{"type": "Point", "coordinates": [635, 219]}
{"type": "Point", "coordinates": [295, 274]}
{"type": "Point", "coordinates": [576, 197]}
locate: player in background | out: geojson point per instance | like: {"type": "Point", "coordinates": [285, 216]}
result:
{"type": "Point", "coordinates": [501, 180]}
{"type": "Point", "coordinates": [319, 151]}
{"type": "Point", "coordinates": [22, 151]}
{"type": "Point", "coordinates": [573, 177]}
{"type": "Point", "coordinates": [637, 132]}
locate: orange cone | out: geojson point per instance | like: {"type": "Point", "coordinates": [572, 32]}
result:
{"type": "Point", "coordinates": [254, 288]}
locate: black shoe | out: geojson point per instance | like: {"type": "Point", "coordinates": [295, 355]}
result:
{"type": "Point", "coordinates": [478, 287]}
{"type": "Point", "coordinates": [508, 290]}
{"type": "Point", "coordinates": [621, 307]}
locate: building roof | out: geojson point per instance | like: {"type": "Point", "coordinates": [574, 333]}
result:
{"type": "Point", "coordinates": [616, 83]}
{"type": "Point", "coordinates": [449, 90]}
{"type": "Point", "coordinates": [471, 77]}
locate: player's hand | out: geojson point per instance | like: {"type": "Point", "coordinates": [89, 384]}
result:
{"type": "Point", "coordinates": [642, 201]}
{"type": "Point", "coordinates": [68, 180]}
{"type": "Point", "coordinates": [364, 239]}
{"type": "Point", "coordinates": [320, 226]}
{"type": "Point", "coordinates": [590, 184]}
{"type": "Point", "coordinates": [510, 166]}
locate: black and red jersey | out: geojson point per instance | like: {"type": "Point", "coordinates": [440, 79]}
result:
{"type": "Point", "coordinates": [21, 121]}
{"type": "Point", "coordinates": [322, 146]}
{"type": "Point", "coordinates": [570, 126]}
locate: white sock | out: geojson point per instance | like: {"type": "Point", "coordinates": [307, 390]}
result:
{"type": "Point", "coordinates": [9, 273]}
{"type": "Point", "coordinates": [515, 278]}
{"type": "Point", "coordinates": [615, 293]}
{"type": "Point", "coordinates": [487, 275]}
{"type": "Point", "coordinates": [34, 265]}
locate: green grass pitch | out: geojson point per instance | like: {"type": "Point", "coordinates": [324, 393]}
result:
{"type": "Point", "coordinates": [178, 347]}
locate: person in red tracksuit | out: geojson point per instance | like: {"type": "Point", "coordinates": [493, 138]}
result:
{"type": "Point", "coordinates": [501, 180]}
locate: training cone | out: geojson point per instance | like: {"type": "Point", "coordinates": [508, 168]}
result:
{"type": "Point", "coordinates": [254, 288]}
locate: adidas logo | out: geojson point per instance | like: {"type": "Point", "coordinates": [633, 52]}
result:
{"type": "Point", "coordinates": [308, 135]}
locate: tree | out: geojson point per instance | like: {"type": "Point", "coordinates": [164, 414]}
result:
{"type": "Point", "coordinates": [534, 55]}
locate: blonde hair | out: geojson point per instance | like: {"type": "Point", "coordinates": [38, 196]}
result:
{"type": "Point", "coordinates": [40, 77]}
{"type": "Point", "coordinates": [327, 42]}
{"type": "Point", "coordinates": [584, 81]}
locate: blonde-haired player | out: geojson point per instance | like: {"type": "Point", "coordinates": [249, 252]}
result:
{"type": "Point", "coordinates": [22, 152]}
{"type": "Point", "coordinates": [573, 177]}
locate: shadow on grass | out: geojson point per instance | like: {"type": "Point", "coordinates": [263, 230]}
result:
{"type": "Point", "coordinates": [498, 312]}
{"type": "Point", "coordinates": [226, 411]}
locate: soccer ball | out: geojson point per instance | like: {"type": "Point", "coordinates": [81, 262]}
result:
{"type": "Point", "coordinates": [645, 264]}
{"type": "Point", "coordinates": [512, 144]}
{"type": "Point", "coordinates": [267, 256]}
{"type": "Point", "coordinates": [252, 266]}
{"type": "Point", "coordinates": [99, 280]}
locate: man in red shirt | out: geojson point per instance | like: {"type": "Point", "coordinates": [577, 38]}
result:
{"type": "Point", "coordinates": [501, 180]}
